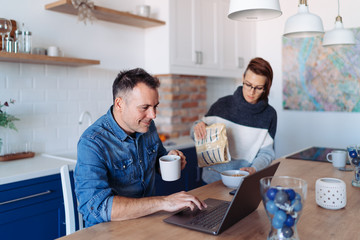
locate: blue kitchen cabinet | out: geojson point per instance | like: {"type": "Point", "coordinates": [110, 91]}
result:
{"type": "Point", "coordinates": [32, 209]}
{"type": "Point", "coordinates": [190, 176]}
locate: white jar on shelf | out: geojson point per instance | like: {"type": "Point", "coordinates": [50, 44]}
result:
{"type": "Point", "coordinates": [27, 41]}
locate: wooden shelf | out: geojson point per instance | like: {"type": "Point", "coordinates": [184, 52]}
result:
{"type": "Point", "coordinates": [106, 14]}
{"type": "Point", "coordinates": [42, 59]}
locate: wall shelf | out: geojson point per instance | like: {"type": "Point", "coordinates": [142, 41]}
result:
{"type": "Point", "coordinates": [42, 59]}
{"type": "Point", "coordinates": [106, 14]}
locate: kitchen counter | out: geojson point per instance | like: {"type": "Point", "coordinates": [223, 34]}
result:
{"type": "Point", "coordinates": [28, 168]}
{"type": "Point", "coordinates": [48, 164]}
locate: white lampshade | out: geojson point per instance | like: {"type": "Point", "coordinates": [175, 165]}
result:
{"type": "Point", "coordinates": [339, 35]}
{"type": "Point", "coordinates": [254, 10]}
{"type": "Point", "coordinates": [303, 24]}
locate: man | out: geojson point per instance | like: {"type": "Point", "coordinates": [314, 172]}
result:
{"type": "Point", "coordinates": [118, 156]}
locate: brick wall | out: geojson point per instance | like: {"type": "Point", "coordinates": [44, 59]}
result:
{"type": "Point", "coordinates": [182, 102]}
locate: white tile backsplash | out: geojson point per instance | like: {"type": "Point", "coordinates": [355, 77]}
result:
{"type": "Point", "coordinates": [49, 101]}
{"type": "Point", "coordinates": [32, 95]}
{"type": "Point", "coordinates": [46, 82]}
{"type": "Point", "coordinates": [219, 87]}
{"type": "Point", "coordinates": [15, 81]}
{"type": "Point", "coordinates": [56, 95]}
{"type": "Point", "coordinates": [27, 69]}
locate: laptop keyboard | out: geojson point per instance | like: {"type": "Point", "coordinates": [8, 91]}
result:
{"type": "Point", "coordinates": [212, 217]}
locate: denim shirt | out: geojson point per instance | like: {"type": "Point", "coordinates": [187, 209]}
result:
{"type": "Point", "coordinates": [112, 163]}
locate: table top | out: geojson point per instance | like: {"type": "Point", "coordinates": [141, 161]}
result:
{"type": "Point", "coordinates": [314, 223]}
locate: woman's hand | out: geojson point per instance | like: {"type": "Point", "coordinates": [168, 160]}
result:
{"type": "Point", "coordinates": [200, 130]}
{"type": "Point", "coordinates": [250, 170]}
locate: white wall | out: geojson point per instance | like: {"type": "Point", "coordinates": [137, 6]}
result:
{"type": "Point", "coordinates": [50, 99]}
{"type": "Point", "coordinates": [300, 129]}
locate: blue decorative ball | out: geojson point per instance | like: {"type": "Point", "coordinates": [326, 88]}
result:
{"type": "Point", "coordinates": [280, 215]}
{"type": "Point", "coordinates": [290, 221]}
{"type": "Point", "coordinates": [271, 192]}
{"type": "Point", "coordinates": [297, 205]}
{"type": "Point", "coordinates": [271, 207]}
{"type": "Point", "coordinates": [281, 197]}
{"type": "Point", "coordinates": [291, 193]}
{"type": "Point", "coordinates": [356, 161]}
{"type": "Point", "coordinates": [287, 232]}
{"type": "Point", "coordinates": [276, 223]}
{"type": "Point", "coordinates": [353, 153]}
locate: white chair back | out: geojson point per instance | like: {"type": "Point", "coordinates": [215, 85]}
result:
{"type": "Point", "coordinates": [69, 202]}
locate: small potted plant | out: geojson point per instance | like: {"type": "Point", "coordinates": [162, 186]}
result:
{"type": "Point", "coordinates": [6, 120]}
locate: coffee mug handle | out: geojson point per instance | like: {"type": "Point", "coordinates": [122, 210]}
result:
{"type": "Point", "coordinates": [327, 157]}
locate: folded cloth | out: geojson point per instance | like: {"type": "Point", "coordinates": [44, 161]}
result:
{"type": "Point", "coordinates": [214, 148]}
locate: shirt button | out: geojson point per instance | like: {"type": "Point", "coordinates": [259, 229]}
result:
{"type": "Point", "coordinates": [124, 166]}
{"type": "Point", "coordinates": [153, 150]}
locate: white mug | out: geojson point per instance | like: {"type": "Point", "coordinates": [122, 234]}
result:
{"type": "Point", "coordinates": [337, 157]}
{"type": "Point", "coordinates": [143, 10]}
{"type": "Point", "coordinates": [170, 167]}
{"type": "Point", "coordinates": [54, 51]}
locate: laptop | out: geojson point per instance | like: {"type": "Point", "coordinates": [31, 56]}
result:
{"type": "Point", "coordinates": [220, 214]}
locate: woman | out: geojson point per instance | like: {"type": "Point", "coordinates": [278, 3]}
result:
{"type": "Point", "coordinates": [250, 122]}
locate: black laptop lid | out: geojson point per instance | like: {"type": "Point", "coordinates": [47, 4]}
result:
{"type": "Point", "coordinates": [247, 198]}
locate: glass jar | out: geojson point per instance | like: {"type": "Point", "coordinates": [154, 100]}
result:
{"type": "Point", "coordinates": [18, 41]}
{"type": "Point", "coordinates": [9, 43]}
{"type": "Point", "coordinates": [27, 41]}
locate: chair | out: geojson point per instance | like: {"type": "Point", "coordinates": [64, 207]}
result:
{"type": "Point", "coordinates": [70, 220]}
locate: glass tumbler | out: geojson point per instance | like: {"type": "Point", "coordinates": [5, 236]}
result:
{"type": "Point", "coordinates": [354, 151]}
{"type": "Point", "coordinates": [283, 198]}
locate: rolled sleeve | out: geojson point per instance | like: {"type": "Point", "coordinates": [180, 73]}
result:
{"type": "Point", "coordinates": [264, 157]}
{"type": "Point", "coordinates": [91, 185]}
{"type": "Point", "coordinates": [99, 207]}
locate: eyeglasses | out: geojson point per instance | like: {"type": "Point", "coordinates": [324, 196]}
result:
{"type": "Point", "coordinates": [257, 89]}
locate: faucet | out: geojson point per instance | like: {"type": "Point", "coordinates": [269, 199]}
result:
{"type": "Point", "coordinates": [82, 117]}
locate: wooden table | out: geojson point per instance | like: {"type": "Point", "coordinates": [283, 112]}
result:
{"type": "Point", "coordinates": [315, 222]}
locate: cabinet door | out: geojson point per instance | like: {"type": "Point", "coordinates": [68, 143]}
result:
{"type": "Point", "coordinates": [237, 42]}
{"type": "Point", "coordinates": [207, 33]}
{"type": "Point", "coordinates": [193, 35]}
{"type": "Point", "coordinates": [182, 42]}
{"type": "Point", "coordinates": [32, 209]}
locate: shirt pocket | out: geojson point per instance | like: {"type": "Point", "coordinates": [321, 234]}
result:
{"type": "Point", "coordinates": [152, 151]}
{"type": "Point", "coordinates": [125, 171]}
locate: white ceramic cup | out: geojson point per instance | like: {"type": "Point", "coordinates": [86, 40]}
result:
{"type": "Point", "coordinates": [143, 10]}
{"type": "Point", "coordinates": [337, 158]}
{"type": "Point", "coordinates": [54, 51]}
{"type": "Point", "coordinates": [170, 167]}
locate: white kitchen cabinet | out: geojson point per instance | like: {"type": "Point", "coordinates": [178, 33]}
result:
{"type": "Point", "coordinates": [238, 42]}
{"type": "Point", "coordinates": [192, 43]}
{"type": "Point", "coordinates": [203, 41]}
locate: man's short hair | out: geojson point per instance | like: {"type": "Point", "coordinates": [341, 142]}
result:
{"type": "Point", "coordinates": [128, 79]}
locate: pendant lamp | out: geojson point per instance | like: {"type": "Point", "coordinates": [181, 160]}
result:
{"type": "Point", "coordinates": [254, 10]}
{"type": "Point", "coordinates": [339, 35]}
{"type": "Point", "coordinates": [303, 24]}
